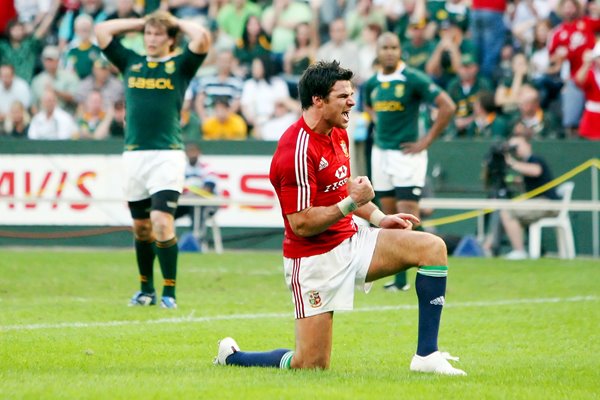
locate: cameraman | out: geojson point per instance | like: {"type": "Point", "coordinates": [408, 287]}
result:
{"type": "Point", "coordinates": [535, 173]}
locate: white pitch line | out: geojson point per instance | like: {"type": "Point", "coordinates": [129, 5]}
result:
{"type": "Point", "coordinates": [192, 319]}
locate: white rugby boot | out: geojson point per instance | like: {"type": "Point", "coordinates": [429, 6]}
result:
{"type": "Point", "coordinates": [436, 363]}
{"type": "Point", "coordinates": [227, 346]}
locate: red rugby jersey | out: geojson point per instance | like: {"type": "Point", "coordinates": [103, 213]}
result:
{"type": "Point", "coordinates": [495, 5]}
{"type": "Point", "coordinates": [577, 36]}
{"type": "Point", "coordinates": [310, 169]}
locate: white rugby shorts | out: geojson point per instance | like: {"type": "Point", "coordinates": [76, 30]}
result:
{"type": "Point", "coordinates": [326, 282]}
{"type": "Point", "coordinates": [150, 171]}
{"type": "Point", "coordinates": [392, 168]}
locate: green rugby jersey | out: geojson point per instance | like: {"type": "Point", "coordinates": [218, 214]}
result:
{"type": "Point", "coordinates": [154, 91]}
{"type": "Point", "coordinates": [395, 99]}
{"type": "Point", "coordinates": [82, 59]}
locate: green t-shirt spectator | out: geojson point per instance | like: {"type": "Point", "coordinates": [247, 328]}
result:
{"type": "Point", "coordinates": [417, 56]}
{"type": "Point", "coordinates": [283, 36]}
{"type": "Point", "coordinates": [23, 58]}
{"type": "Point", "coordinates": [495, 127]}
{"type": "Point", "coordinates": [81, 59]}
{"type": "Point", "coordinates": [232, 21]}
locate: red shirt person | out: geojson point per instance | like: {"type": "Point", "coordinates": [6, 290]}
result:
{"type": "Point", "coordinates": [588, 79]}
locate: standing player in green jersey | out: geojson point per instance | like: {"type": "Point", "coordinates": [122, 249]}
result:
{"type": "Point", "coordinates": [154, 159]}
{"type": "Point", "coordinates": [399, 155]}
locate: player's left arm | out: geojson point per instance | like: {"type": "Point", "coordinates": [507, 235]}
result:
{"type": "Point", "coordinates": [446, 109]}
{"type": "Point", "coordinates": [375, 216]}
{"type": "Point", "coordinates": [199, 36]}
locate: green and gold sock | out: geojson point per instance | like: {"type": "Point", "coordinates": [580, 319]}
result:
{"type": "Point", "coordinates": [167, 256]}
{"type": "Point", "coordinates": [144, 253]}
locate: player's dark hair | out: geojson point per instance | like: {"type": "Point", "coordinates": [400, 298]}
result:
{"type": "Point", "coordinates": [318, 80]}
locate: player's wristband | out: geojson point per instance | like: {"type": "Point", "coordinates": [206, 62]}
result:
{"type": "Point", "coordinates": [347, 205]}
{"type": "Point", "coordinates": [376, 216]}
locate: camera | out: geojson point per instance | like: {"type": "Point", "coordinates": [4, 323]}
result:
{"type": "Point", "coordinates": [495, 168]}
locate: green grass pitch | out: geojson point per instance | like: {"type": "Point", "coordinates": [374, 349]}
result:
{"type": "Point", "coordinates": [523, 330]}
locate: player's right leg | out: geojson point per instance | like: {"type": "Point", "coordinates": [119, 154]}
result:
{"type": "Point", "coordinates": [313, 348]}
{"type": "Point", "coordinates": [144, 252]}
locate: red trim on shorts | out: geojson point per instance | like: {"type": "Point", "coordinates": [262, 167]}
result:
{"type": "Point", "coordinates": [296, 289]}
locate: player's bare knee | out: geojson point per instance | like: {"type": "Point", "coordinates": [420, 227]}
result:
{"type": "Point", "coordinates": [313, 362]}
{"type": "Point", "coordinates": [434, 251]}
{"type": "Point", "coordinates": [142, 230]}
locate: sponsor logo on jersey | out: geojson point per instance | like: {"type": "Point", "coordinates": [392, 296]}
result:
{"type": "Point", "coordinates": [150, 83]}
{"type": "Point", "coordinates": [170, 67]}
{"type": "Point", "coordinates": [323, 164]}
{"type": "Point", "coordinates": [344, 148]}
{"type": "Point", "coordinates": [136, 67]}
{"type": "Point", "coordinates": [341, 172]}
{"type": "Point", "coordinates": [314, 298]}
{"type": "Point", "coordinates": [389, 105]}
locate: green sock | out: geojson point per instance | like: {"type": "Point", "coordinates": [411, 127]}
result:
{"type": "Point", "coordinates": [167, 256]}
{"type": "Point", "coordinates": [400, 279]}
{"type": "Point", "coordinates": [144, 253]}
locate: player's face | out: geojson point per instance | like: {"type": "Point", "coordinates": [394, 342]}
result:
{"type": "Point", "coordinates": [389, 52]}
{"type": "Point", "coordinates": [337, 106]}
{"type": "Point", "coordinates": [156, 41]}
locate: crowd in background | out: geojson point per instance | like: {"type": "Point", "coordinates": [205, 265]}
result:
{"type": "Point", "coordinates": [525, 66]}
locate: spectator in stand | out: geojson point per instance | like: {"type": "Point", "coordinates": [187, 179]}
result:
{"type": "Point", "coordinates": [280, 19]}
{"type": "Point", "coordinates": [203, 90]}
{"type": "Point", "coordinates": [463, 90]}
{"type": "Point", "coordinates": [508, 91]}
{"type": "Point", "coordinates": [527, 15]}
{"type": "Point", "coordinates": [286, 112]}
{"type": "Point", "coordinates": [7, 14]}
{"type": "Point", "coordinates": [588, 78]}
{"type": "Point", "coordinates": [543, 71]}
{"type": "Point", "coordinates": [327, 11]}
{"type": "Point", "coordinates": [488, 32]}
{"type": "Point", "coordinates": [568, 42]}
{"type": "Point", "coordinates": [125, 9]}
{"type": "Point", "coordinates": [66, 32]}
{"type": "Point", "coordinates": [23, 50]}
{"type": "Point", "coordinates": [51, 122]}
{"type": "Point", "coordinates": [253, 42]}
{"type": "Point", "coordinates": [414, 12]}
{"type": "Point", "coordinates": [233, 12]}
{"type": "Point", "coordinates": [455, 11]}
{"type": "Point", "coordinates": [365, 13]}
{"type": "Point", "coordinates": [445, 60]}
{"type": "Point", "coordinates": [339, 47]}
{"type": "Point", "coordinates": [418, 49]}
{"type": "Point", "coordinates": [188, 9]}
{"type": "Point", "coordinates": [63, 82]}
{"type": "Point", "coordinates": [487, 122]}
{"type": "Point", "coordinates": [81, 57]}
{"type": "Point", "coordinates": [93, 118]}
{"type": "Point", "coordinates": [367, 52]}
{"type": "Point", "coordinates": [32, 12]}
{"type": "Point", "coordinates": [16, 123]}
{"type": "Point", "coordinates": [116, 128]}
{"type": "Point", "coordinates": [533, 120]}
{"type": "Point", "coordinates": [12, 88]}
{"type": "Point", "coordinates": [299, 56]}
{"type": "Point", "coordinates": [225, 124]}
{"type": "Point", "coordinates": [101, 80]}
{"type": "Point", "coordinates": [260, 93]}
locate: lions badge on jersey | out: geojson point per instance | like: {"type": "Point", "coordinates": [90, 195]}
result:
{"type": "Point", "coordinates": [344, 148]}
{"type": "Point", "coordinates": [170, 67]}
{"type": "Point", "coordinates": [314, 299]}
